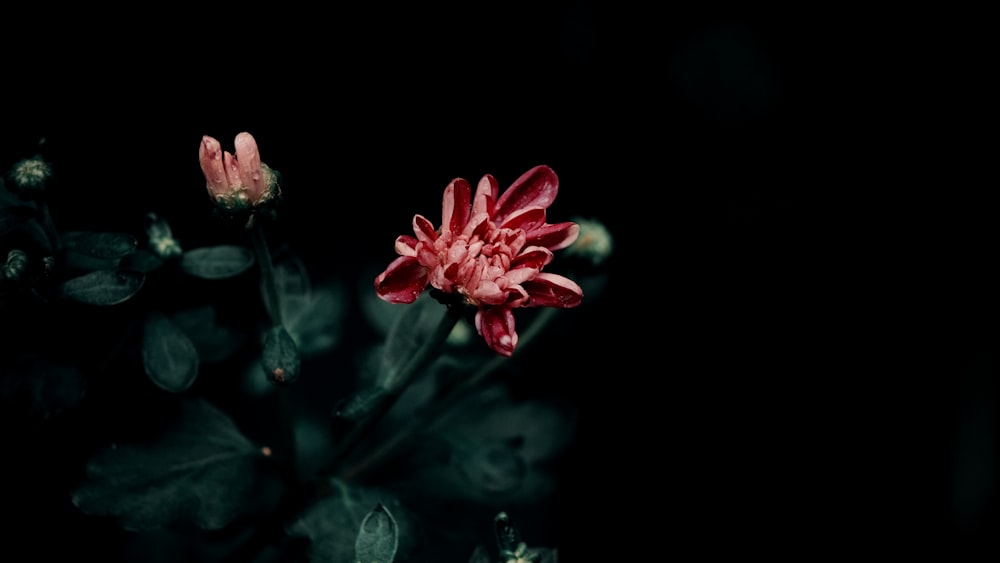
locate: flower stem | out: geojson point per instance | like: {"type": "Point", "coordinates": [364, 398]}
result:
{"type": "Point", "coordinates": [424, 356]}
{"type": "Point", "coordinates": [270, 291]}
{"type": "Point", "coordinates": [287, 400]}
{"type": "Point", "coordinates": [435, 413]}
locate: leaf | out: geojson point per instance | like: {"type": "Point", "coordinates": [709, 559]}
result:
{"type": "Point", "coordinates": [168, 355]}
{"type": "Point", "coordinates": [280, 359]}
{"type": "Point", "coordinates": [217, 262]}
{"type": "Point", "coordinates": [214, 342]}
{"type": "Point", "coordinates": [378, 537]}
{"type": "Point", "coordinates": [142, 261]}
{"type": "Point", "coordinates": [100, 245]}
{"type": "Point", "coordinates": [493, 468]}
{"type": "Point", "coordinates": [14, 216]}
{"type": "Point", "coordinates": [200, 470]}
{"type": "Point", "coordinates": [409, 332]}
{"type": "Point", "coordinates": [332, 523]}
{"type": "Point", "coordinates": [362, 402]}
{"type": "Point", "coordinates": [313, 316]}
{"type": "Point", "coordinates": [103, 287]}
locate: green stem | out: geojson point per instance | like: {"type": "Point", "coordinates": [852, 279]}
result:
{"type": "Point", "coordinates": [430, 416]}
{"type": "Point", "coordinates": [424, 356]}
{"type": "Point", "coordinates": [287, 400]}
{"type": "Point", "coordinates": [50, 227]}
{"type": "Point", "coordinates": [270, 291]}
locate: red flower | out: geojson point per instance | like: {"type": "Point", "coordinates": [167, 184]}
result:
{"type": "Point", "coordinates": [490, 250]}
{"type": "Point", "coordinates": [240, 182]}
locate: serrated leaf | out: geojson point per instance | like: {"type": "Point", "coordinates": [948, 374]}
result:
{"type": "Point", "coordinates": [200, 470]}
{"type": "Point", "coordinates": [100, 245]}
{"type": "Point", "coordinates": [217, 262]}
{"type": "Point", "coordinates": [378, 537]}
{"type": "Point", "coordinates": [103, 287]}
{"type": "Point", "coordinates": [168, 355]}
{"type": "Point", "coordinates": [332, 523]}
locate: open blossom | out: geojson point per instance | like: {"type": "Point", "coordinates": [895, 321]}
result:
{"type": "Point", "coordinates": [236, 182]}
{"type": "Point", "coordinates": [490, 251]}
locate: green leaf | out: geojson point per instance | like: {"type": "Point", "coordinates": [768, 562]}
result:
{"type": "Point", "coordinates": [214, 342]}
{"type": "Point", "coordinates": [13, 217]}
{"type": "Point", "coordinates": [362, 402]}
{"type": "Point", "coordinates": [281, 360]}
{"type": "Point", "coordinates": [142, 261]}
{"type": "Point", "coordinates": [493, 468]}
{"type": "Point", "coordinates": [103, 287]}
{"type": "Point", "coordinates": [200, 470]}
{"type": "Point", "coordinates": [409, 332]}
{"type": "Point", "coordinates": [313, 316]}
{"type": "Point", "coordinates": [332, 523]}
{"type": "Point", "coordinates": [378, 537]}
{"type": "Point", "coordinates": [100, 245]}
{"type": "Point", "coordinates": [168, 355]}
{"type": "Point", "coordinates": [217, 262]}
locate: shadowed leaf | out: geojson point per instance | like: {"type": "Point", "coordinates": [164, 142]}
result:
{"type": "Point", "coordinates": [217, 262]}
{"type": "Point", "coordinates": [332, 524]}
{"type": "Point", "coordinates": [100, 245]}
{"type": "Point", "coordinates": [377, 538]}
{"type": "Point", "coordinates": [103, 287]}
{"type": "Point", "coordinates": [280, 358]}
{"type": "Point", "coordinates": [200, 470]}
{"type": "Point", "coordinates": [168, 355]}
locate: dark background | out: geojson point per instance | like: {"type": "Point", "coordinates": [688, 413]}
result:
{"type": "Point", "coordinates": [793, 355]}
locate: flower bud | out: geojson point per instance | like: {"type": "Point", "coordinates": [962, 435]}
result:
{"type": "Point", "coordinates": [30, 174]}
{"type": "Point", "coordinates": [237, 183]}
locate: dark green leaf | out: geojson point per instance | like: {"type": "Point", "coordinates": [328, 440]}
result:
{"type": "Point", "coordinates": [142, 261]}
{"type": "Point", "coordinates": [332, 523]}
{"type": "Point", "coordinates": [409, 332]}
{"type": "Point", "coordinates": [361, 403]}
{"type": "Point", "coordinates": [378, 537]}
{"type": "Point", "coordinates": [200, 470]}
{"type": "Point", "coordinates": [217, 262]}
{"type": "Point", "coordinates": [480, 555]}
{"type": "Point", "coordinates": [100, 245]}
{"type": "Point", "coordinates": [168, 355]}
{"type": "Point", "coordinates": [214, 342]}
{"type": "Point", "coordinates": [493, 468]}
{"type": "Point", "coordinates": [103, 287]}
{"type": "Point", "coordinates": [280, 359]}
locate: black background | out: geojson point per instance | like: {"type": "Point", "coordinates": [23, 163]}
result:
{"type": "Point", "coordinates": [793, 354]}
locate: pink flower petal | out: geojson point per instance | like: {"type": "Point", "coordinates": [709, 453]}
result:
{"type": "Point", "coordinates": [456, 206]}
{"type": "Point", "coordinates": [553, 290]}
{"type": "Point", "coordinates": [210, 157]}
{"type": "Point", "coordinates": [406, 245]}
{"type": "Point", "coordinates": [535, 188]}
{"type": "Point", "coordinates": [424, 229]}
{"type": "Point", "coordinates": [532, 257]}
{"type": "Point", "coordinates": [554, 237]}
{"type": "Point", "coordinates": [486, 196]}
{"type": "Point", "coordinates": [496, 326]}
{"type": "Point", "coordinates": [528, 219]}
{"type": "Point", "coordinates": [248, 161]}
{"type": "Point", "coordinates": [232, 171]}
{"type": "Point", "coordinates": [402, 281]}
